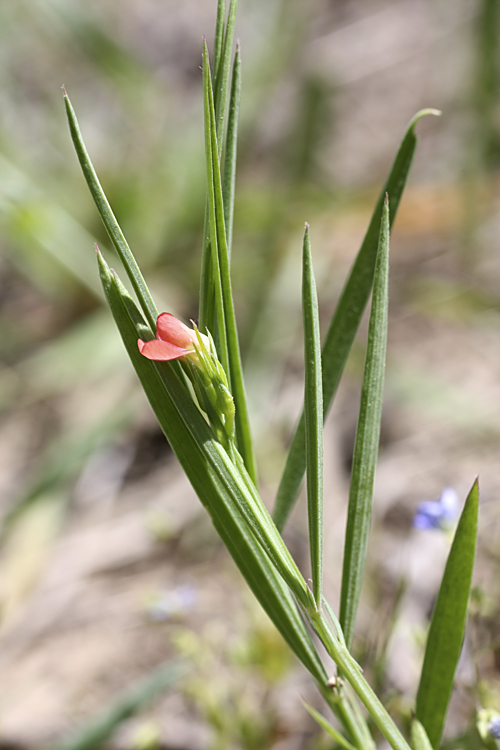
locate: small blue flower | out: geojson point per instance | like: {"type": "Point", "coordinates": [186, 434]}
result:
{"type": "Point", "coordinates": [494, 727]}
{"type": "Point", "coordinates": [174, 603]}
{"type": "Point", "coordinates": [437, 514]}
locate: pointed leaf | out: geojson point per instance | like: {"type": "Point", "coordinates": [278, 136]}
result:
{"type": "Point", "coordinates": [109, 220]}
{"type": "Point", "coordinates": [220, 23]}
{"type": "Point", "coordinates": [419, 739]}
{"type": "Point", "coordinates": [331, 731]}
{"type": "Point", "coordinates": [213, 274]}
{"type": "Point", "coordinates": [221, 80]}
{"type": "Point", "coordinates": [223, 46]}
{"type": "Point", "coordinates": [313, 409]}
{"type": "Point", "coordinates": [367, 440]}
{"type": "Point", "coordinates": [229, 177]}
{"type": "Point", "coordinates": [226, 326]}
{"type": "Point", "coordinates": [446, 632]}
{"type": "Point", "coordinates": [346, 319]}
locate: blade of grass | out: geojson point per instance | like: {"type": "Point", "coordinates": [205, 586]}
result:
{"type": "Point", "coordinates": [331, 731]}
{"type": "Point", "coordinates": [419, 738]}
{"type": "Point", "coordinates": [215, 280]}
{"type": "Point", "coordinates": [214, 487]}
{"type": "Point", "coordinates": [109, 220]}
{"type": "Point", "coordinates": [446, 632]}
{"type": "Point", "coordinates": [220, 73]}
{"type": "Point", "coordinates": [313, 410]}
{"type": "Point", "coordinates": [221, 81]}
{"type": "Point", "coordinates": [220, 23]}
{"type": "Point", "coordinates": [346, 319]}
{"type": "Point", "coordinates": [230, 155]}
{"type": "Point", "coordinates": [367, 440]}
{"type": "Point", "coordinates": [226, 327]}
{"type": "Point", "coordinates": [98, 729]}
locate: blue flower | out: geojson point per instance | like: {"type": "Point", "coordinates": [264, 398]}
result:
{"type": "Point", "coordinates": [494, 727]}
{"type": "Point", "coordinates": [173, 603]}
{"type": "Point", "coordinates": [437, 514]}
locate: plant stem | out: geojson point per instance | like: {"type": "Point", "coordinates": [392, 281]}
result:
{"type": "Point", "coordinates": [352, 672]}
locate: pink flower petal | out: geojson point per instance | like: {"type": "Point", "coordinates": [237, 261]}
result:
{"type": "Point", "coordinates": [169, 328]}
{"type": "Point", "coordinates": [160, 351]}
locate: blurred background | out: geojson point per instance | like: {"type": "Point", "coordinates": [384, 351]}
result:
{"type": "Point", "coordinates": [109, 565]}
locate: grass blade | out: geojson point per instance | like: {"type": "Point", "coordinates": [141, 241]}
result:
{"type": "Point", "coordinates": [220, 73]}
{"type": "Point", "coordinates": [230, 155]}
{"type": "Point", "coordinates": [96, 731]}
{"type": "Point", "coordinates": [221, 80]}
{"type": "Point", "coordinates": [220, 23]}
{"type": "Point", "coordinates": [313, 410]}
{"type": "Point", "coordinates": [226, 319]}
{"type": "Point", "coordinates": [214, 487]}
{"type": "Point", "coordinates": [367, 440]}
{"type": "Point", "coordinates": [346, 319]}
{"type": "Point", "coordinates": [213, 274]}
{"type": "Point", "coordinates": [109, 220]}
{"type": "Point", "coordinates": [446, 633]}
{"type": "Point", "coordinates": [419, 739]}
{"type": "Point", "coordinates": [331, 731]}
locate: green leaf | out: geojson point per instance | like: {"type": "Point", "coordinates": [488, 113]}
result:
{"type": "Point", "coordinates": [367, 440]}
{"type": "Point", "coordinates": [419, 739]}
{"type": "Point", "coordinates": [331, 731]}
{"type": "Point", "coordinates": [227, 338]}
{"type": "Point", "coordinates": [220, 23]}
{"type": "Point", "coordinates": [222, 78]}
{"type": "Point", "coordinates": [223, 46]}
{"type": "Point", "coordinates": [230, 155]}
{"type": "Point", "coordinates": [109, 220]}
{"type": "Point", "coordinates": [214, 278]}
{"type": "Point", "coordinates": [446, 632]}
{"type": "Point", "coordinates": [98, 729]}
{"type": "Point", "coordinates": [346, 319]}
{"type": "Point", "coordinates": [217, 483]}
{"type": "Point", "coordinates": [313, 409]}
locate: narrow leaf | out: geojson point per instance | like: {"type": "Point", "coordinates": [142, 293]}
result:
{"type": "Point", "coordinates": [446, 633]}
{"type": "Point", "coordinates": [331, 731]}
{"type": "Point", "coordinates": [221, 80]}
{"type": "Point", "coordinates": [227, 326]}
{"type": "Point", "coordinates": [220, 23]}
{"type": "Point", "coordinates": [230, 155]}
{"type": "Point", "coordinates": [346, 319]}
{"type": "Point", "coordinates": [220, 73]}
{"type": "Point", "coordinates": [367, 440]}
{"type": "Point", "coordinates": [212, 276]}
{"type": "Point", "coordinates": [218, 486]}
{"type": "Point", "coordinates": [313, 409]}
{"type": "Point", "coordinates": [98, 729]}
{"type": "Point", "coordinates": [109, 220]}
{"type": "Point", "coordinates": [419, 739]}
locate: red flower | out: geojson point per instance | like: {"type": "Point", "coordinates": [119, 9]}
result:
{"type": "Point", "coordinates": [173, 340]}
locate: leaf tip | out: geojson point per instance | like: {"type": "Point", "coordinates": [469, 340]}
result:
{"type": "Point", "coordinates": [423, 113]}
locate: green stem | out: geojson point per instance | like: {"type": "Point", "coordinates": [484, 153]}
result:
{"type": "Point", "coordinates": [352, 672]}
{"type": "Point", "coordinates": [358, 734]}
